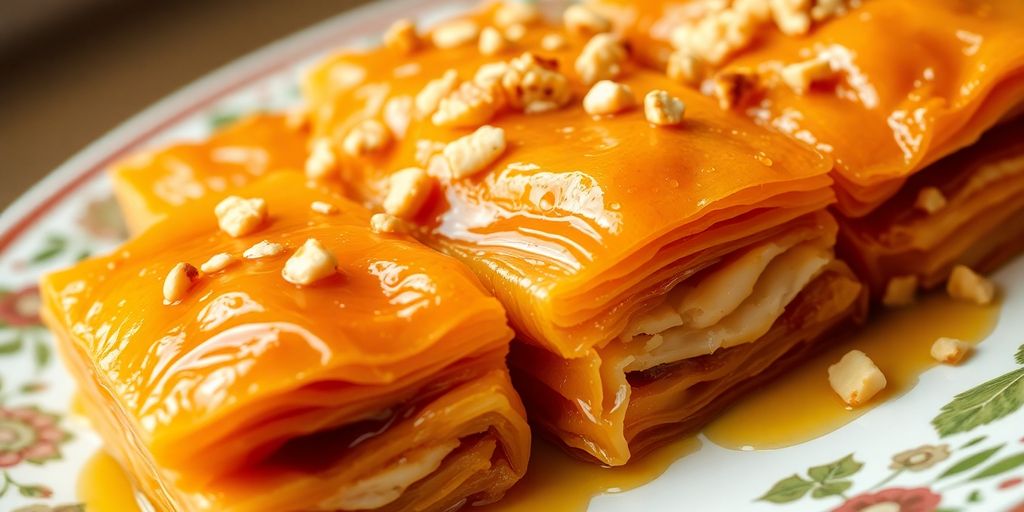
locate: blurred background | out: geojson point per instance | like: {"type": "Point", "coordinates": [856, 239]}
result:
{"type": "Point", "coordinates": [71, 70]}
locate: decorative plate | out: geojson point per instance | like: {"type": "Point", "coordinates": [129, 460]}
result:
{"type": "Point", "coordinates": [952, 441]}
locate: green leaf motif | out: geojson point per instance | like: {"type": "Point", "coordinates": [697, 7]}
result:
{"type": "Point", "coordinates": [35, 491]}
{"type": "Point", "coordinates": [974, 496]}
{"type": "Point", "coordinates": [1001, 466]}
{"type": "Point", "coordinates": [1020, 355]}
{"type": "Point", "coordinates": [970, 462]}
{"type": "Point", "coordinates": [42, 354]}
{"type": "Point", "coordinates": [841, 468]}
{"type": "Point", "coordinates": [947, 509]}
{"type": "Point", "coordinates": [54, 245]}
{"type": "Point", "coordinates": [787, 490]}
{"type": "Point", "coordinates": [973, 442]}
{"type": "Point", "coordinates": [982, 404]}
{"type": "Point", "coordinates": [12, 346]}
{"type": "Point", "coordinates": [825, 490]}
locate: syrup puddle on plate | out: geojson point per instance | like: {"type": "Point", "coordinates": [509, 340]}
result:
{"type": "Point", "coordinates": [899, 342]}
{"type": "Point", "coordinates": [799, 405]}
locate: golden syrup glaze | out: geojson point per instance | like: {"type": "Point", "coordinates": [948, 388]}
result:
{"type": "Point", "coordinates": [104, 487]}
{"type": "Point", "coordinates": [919, 80]}
{"type": "Point", "coordinates": [595, 206]}
{"type": "Point", "coordinates": [799, 405]}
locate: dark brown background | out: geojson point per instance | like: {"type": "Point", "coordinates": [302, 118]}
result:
{"type": "Point", "coordinates": [69, 76]}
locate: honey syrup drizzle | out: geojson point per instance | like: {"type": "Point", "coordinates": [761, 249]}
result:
{"type": "Point", "coordinates": [797, 407]}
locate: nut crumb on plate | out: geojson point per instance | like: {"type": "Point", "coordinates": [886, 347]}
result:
{"type": "Point", "coordinates": [966, 284]}
{"type": "Point", "coordinates": [949, 350]}
{"type": "Point", "coordinates": [855, 378]}
{"type": "Point", "coordinates": [900, 291]}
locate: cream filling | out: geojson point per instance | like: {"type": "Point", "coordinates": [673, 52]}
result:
{"type": "Point", "coordinates": [388, 484]}
{"type": "Point", "coordinates": [736, 304]}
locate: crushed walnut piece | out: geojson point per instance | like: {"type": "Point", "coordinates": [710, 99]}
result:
{"type": "Point", "coordinates": [900, 291]}
{"type": "Point", "coordinates": [472, 153]}
{"type": "Point", "coordinates": [490, 74]}
{"type": "Point", "coordinates": [386, 223]}
{"type": "Point", "coordinates": [965, 284]}
{"type": "Point", "coordinates": [515, 33]}
{"type": "Point", "coordinates": [311, 263]}
{"type": "Point", "coordinates": [322, 162]}
{"type": "Point", "coordinates": [263, 249]}
{"type": "Point", "coordinates": [217, 262]}
{"type": "Point", "coordinates": [179, 281]}
{"type": "Point", "coordinates": [369, 136]}
{"type": "Point", "coordinates": [426, 149]}
{"type": "Point", "coordinates": [663, 109]}
{"type": "Point", "coordinates": [515, 13]}
{"type": "Point", "coordinates": [949, 350]}
{"type": "Point", "coordinates": [553, 42]}
{"type": "Point", "coordinates": [430, 97]}
{"type": "Point", "coordinates": [468, 106]}
{"type": "Point", "coordinates": [397, 114]}
{"type": "Point", "coordinates": [608, 97]}
{"type": "Point", "coordinates": [717, 36]}
{"type": "Point", "coordinates": [323, 208]}
{"type": "Point", "coordinates": [534, 84]}
{"type": "Point", "coordinates": [491, 41]}
{"type": "Point", "coordinates": [408, 190]}
{"type": "Point", "coordinates": [580, 19]}
{"type": "Point", "coordinates": [800, 76]}
{"type": "Point", "coordinates": [685, 68]}
{"type": "Point", "coordinates": [602, 58]}
{"type": "Point", "coordinates": [238, 216]}
{"type": "Point", "coordinates": [855, 378]}
{"type": "Point", "coordinates": [401, 36]}
{"type": "Point", "coordinates": [930, 200]}
{"type": "Point", "coordinates": [455, 33]}
{"type": "Point", "coordinates": [736, 87]}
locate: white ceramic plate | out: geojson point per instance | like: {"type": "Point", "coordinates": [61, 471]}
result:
{"type": "Point", "coordinates": [892, 458]}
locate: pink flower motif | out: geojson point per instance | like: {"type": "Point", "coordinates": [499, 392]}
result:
{"type": "Point", "coordinates": [1010, 483]}
{"type": "Point", "coordinates": [20, 308]}
{"type": "Point", "coordinates": [920, 499]}
{"type": "Point", "coordinates": [28, 434]}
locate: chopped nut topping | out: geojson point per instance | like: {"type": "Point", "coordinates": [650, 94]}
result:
{"type": "Point", "coordinates": [455, 33]}
{"type": "Point", "coordinates": [385, 223]}
{"type": "Point", "coordinates": [581, 19]}
{"type": "Point", "coordinates": [663, 109]}
{"type": "Point", "coordinates": [534, 85]}
{"type": "Point", "coordinates": [397, 114]}
{"type": "Point", "coordinates": [791, 16]}
{"type": "Point", "coordinates": [323, 208]}
{"type": "Point", "coordinates": [516, 13]}
{"type": "Point", "coordinates": [608, 97]}
{"type": "Point", "coordinates": [468, 106]}
{"type": "Point", "coordinates": [855, 378]}
{"type": "Point", "coordinates": [801, 75]}
{"type": "Point", "coordinates": [553, 42]}
{"type": "Point", "coordinates": [322, 162]}
{"type": "Point", "coordinates": [900, 291]}
{"type": "Point", "coordinates": [515, 33]}
{"type": "Point", "coordinates": [716, 36]}
{"type": "Point", "coordinates": [685, 68]}
{"type": "Point", "coordinates": [489, 75]}
{"type": "Point", "coordinates": [949, 350]}
{"type": "Point", "coordinates": [429, 98]}
{"type": "Point", "coordinates": [311, 263]}
{"type": "Point", "coordinates": [601, 59]}
{"type": "Point", "coordinates": [409, 189]}
{"type": "Point", "coordinates": [492, 42]}
{"type": "Point", "coordinates": [472, 153]}
{"type": "Point", "coordinates": [263, 249]}
{"type": "Point", "coordinates": [401, 36]}
{"type": "Point", "coordinates": [217, 262]}
{"type": "Point", "coordinates": [736, 87]}
{"type": "Point", "coordinates": [366, 137]}
{"type": "Point", "coordinates": [965, 284]}
{"type": "Point", "coordinates": [178, 282]}
{"type": "Point", "coordinates": [297, 118]}
{"type": "Point", "coordinates": [930, 200]}
{"type": "Point", "coordinates": [426, 149]}
{"type": "Point", "coordinates": [238, 216]}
